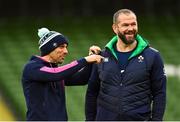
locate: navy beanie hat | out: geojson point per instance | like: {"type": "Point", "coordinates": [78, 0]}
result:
{"type": "Point", "coordinates": [50, 40]}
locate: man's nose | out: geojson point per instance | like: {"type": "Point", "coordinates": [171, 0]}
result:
{"type": "Point", "coordinates": [66, 50]}
{"type": "Point", "coordinates": [130, 27]}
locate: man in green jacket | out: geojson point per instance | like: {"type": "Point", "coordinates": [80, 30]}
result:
{"type": "Point", "coordinates": [130, 84]}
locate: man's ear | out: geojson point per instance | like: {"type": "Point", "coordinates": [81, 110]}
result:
{"type": "Point", "coordinates": [114, 27]}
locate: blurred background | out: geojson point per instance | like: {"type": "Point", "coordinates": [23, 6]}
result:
{"type": "Point", "coordinates": [85, 23]}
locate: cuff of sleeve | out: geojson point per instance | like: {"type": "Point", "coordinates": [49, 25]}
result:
{"type": "Point", "coordinates": [82, 61]}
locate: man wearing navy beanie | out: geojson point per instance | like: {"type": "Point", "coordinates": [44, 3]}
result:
{"type": "Point", "coordinates": [43, 80]}
{"type": "Point", "coordinates": [49, 40]}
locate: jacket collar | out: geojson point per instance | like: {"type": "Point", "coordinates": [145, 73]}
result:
{"type": "Point", "coordinates": [39, 59]}
{"type": "Point", "coordinates": [141, 45]}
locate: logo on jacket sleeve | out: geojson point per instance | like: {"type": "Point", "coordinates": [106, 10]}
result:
{"type": "Point", "coordinates": [105, 59]}
{"type": "Point", "coordinates": [140, 58]}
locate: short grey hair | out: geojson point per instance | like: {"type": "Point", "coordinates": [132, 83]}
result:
{"type": "Point", "coordinates": [122, 11]}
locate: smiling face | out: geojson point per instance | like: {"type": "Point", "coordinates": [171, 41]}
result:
{"type": "Point", "coordinates": [58, 55]}
{"type": "Point", "coordinates": [126, 27]}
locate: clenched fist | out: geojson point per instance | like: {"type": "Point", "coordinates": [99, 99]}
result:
{"type": "Point", "coordinates": [94, 50]}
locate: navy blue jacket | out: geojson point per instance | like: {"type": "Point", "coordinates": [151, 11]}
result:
{"type": "Point", "coordinates": [128, 93]}
{"type": "Point", "coordinates": [43, 85]}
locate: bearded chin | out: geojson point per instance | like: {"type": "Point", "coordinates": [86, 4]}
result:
{"type": "Point", "coordinates": [124, 39]}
